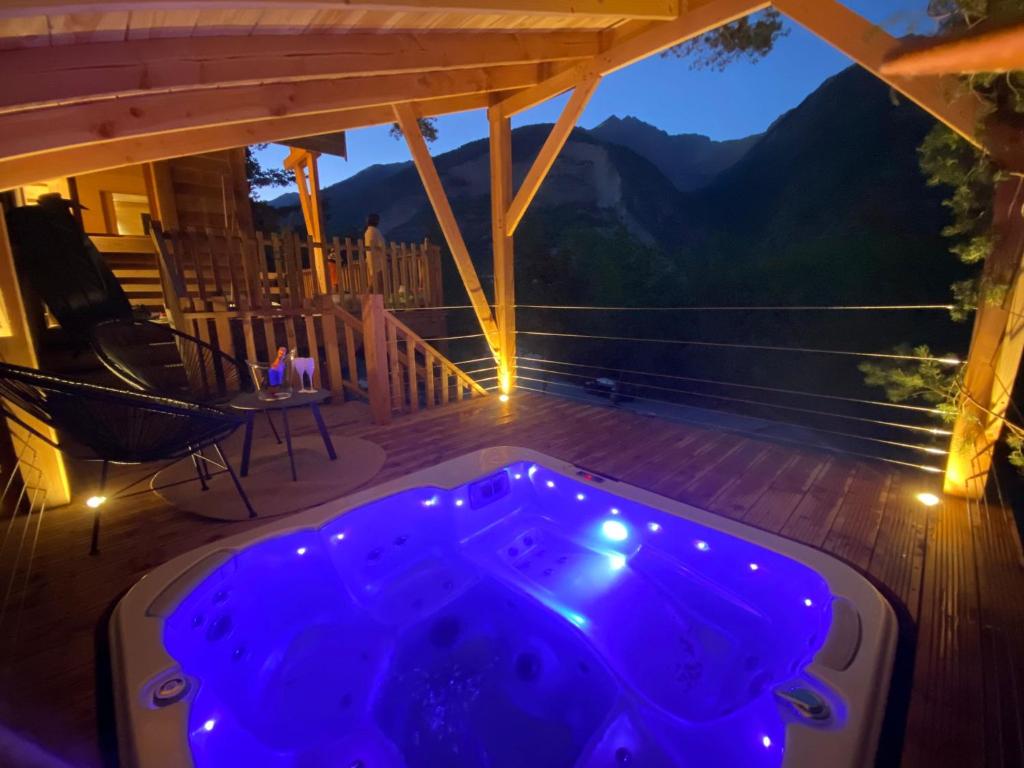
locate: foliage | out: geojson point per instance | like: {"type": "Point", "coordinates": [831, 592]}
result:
{"type": "Point", "coordinates": [751, 37]}
{"type": "Point", "coordinates": [925, 380]}
{"type": "Point", "coordinates": [428, 128]}
{"type": "Point", "coordinates": [260, 176]}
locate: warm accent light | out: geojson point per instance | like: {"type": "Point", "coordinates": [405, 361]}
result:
{"type": "Point", "coordinates": [503, 397]}
{"type": "Point", "coordinates": [928, 499]}
{"type": "Point", "coordinates": [95, 502]}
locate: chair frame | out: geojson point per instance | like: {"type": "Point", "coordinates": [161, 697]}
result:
{"type": "Point", "coordinates": [44, 381]}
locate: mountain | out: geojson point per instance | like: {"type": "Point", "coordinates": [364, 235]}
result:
{"type": "Point", "coordinates": [827, 205]}
{"type": "Point", "coordinates": [689, 160]}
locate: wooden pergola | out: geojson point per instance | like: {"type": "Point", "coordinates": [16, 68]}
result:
{"type": "Point", "coordinates": [96, 85]}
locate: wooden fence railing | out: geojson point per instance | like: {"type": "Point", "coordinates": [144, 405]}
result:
{"type": "Point", "coordinates": [403, 370]}
{"type": "Point", "coordinates": [228, 296]}
{"type": "Point", "coordinates": [280, 269]}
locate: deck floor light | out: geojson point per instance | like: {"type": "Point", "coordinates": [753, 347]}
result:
{"type": "Point", "coordinates": [95, 502]}
{"type": "Point", "coordinates": [928, 499]}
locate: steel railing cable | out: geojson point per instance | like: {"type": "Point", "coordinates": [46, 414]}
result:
{"type": "Point", "coordinates": [727, 428]}
{"type": "Point", "coordinates": [895, 443]}
{"type": "Point", "coordinates": [748, 401]}
{"type": "Point", "coordinates": [474, 360]}
{"type": "Point", "coordinates": [776, 308]}
{"type": "Point", "coordinates": [729, 345]}
{"type": "Point", "coordinates": [454, 338]}
{"type": "Point", "coordinates": [480, 370]}
{"type": "Point", "coordinates": [804, 393]}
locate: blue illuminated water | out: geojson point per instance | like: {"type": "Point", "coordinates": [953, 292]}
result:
{"type": "Point", "coordinates": [525, 620]}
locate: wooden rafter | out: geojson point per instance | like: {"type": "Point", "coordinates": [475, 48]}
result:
{"type": "Point", "coordinates": [406, 116]}
{"type": "Point", "coordinates": [548, 153]}
{"type": "Point", "coordinates": [870, 46]}
{"type": "Point", "coordinates": [25, 133]}
{"type": "Point", "coordinates": [986, 50]}
{"type": "Point", "coordinates": [71, 73]}
{"type": "Point", "coordinates": [616, 9]}
{"type": "Point", "coordinates": [72, 161]}
{"type": "Point", "coordinates": [700, 16]}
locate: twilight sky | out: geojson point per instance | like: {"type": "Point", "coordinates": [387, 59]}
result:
{"type": "Point", "coordinates": [665, 92]}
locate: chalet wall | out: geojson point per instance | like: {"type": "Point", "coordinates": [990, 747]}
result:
{"type": "Point", "coordinates": [95, 192]}
{"type": "Point", "coordinates": [210, 190]}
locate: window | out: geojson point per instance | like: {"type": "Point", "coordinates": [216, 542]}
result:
{"type": "Point", "coordinates": [130, 213]}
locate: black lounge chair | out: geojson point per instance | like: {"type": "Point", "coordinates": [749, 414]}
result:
{"type": "Point", "coordinates": [116, 426]}
{"type": "Point", "coordinates": [155, 358]}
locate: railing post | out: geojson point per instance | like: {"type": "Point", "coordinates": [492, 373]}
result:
{"type": "Point", "coordinates": [376, 352]}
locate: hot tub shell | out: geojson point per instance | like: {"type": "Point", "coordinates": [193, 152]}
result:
{"type": "Point", "coordinates": [855, 660]}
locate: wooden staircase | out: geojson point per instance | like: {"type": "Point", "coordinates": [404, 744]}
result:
{"type": "Point", "coordinates": [219, 288]}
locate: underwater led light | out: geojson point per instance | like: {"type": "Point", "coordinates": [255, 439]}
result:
{"type": "Point", "coordinates": [532, 471]}
{"type": "Point", "coordinates": [339, 537]}
{"type": "Point", "coordinates": [580, 496]}
{"type": "Point", "coordinates": [430, 502]}
{"type": "Point", "coordinates": [614, 510]}
{"type": "Point", "coordinates": [808, 602]}
{"type": "Point", "coordinates": [653, 527]}
{"type": "Point", "coordinates": [300, 551]}
{"type": "Point", "coordinates": [550, 483]}
{"type": "Point", "coordinates": [754, 566]}
{"type": "Point", "coordinates": [617, 561]}
{"type": "Point", "coordinates": [766, 741]}
{"type": "Point", "coordinates": [209, 725]}
{"type": "Point", "coordinates": [614, 530]}
{"type": "Point", "coordinates": [517, 476]}
{"type": "Point", "coordinates": [702, 545]}
{"type": "Point", "coordinates": [459, 502]}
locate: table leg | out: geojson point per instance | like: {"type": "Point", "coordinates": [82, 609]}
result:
{"type": "Point", "coordinates": [323, 431]}
{"type": "Point", "coordinates": [288, 442]}
{"type": "Point", "coordinates": [246, 447]}
{"type": "Point", "coordinates": [273, 429]}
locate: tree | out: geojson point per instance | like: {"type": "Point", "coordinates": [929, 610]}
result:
{"type": "Point", "coordinates": [258, 175]}
{"type": "Point", "coordinates": [428, 128]}
{"type": "Point", "coordinates": [751, 37]}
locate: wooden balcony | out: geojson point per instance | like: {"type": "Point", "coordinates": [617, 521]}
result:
{"type": "Point", "coordinates": [954, 572]}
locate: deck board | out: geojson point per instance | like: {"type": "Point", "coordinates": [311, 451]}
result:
{"type": "Point", "coordinates": [957, 568]}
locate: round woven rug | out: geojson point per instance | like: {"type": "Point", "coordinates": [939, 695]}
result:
{"type": "Point", "coordinates": [269, 485]}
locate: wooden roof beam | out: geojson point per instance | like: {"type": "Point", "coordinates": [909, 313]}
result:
{"type": "Point", "coordinates": [41, 130]}
{"type": "Point", "coordinates": [700, 16]}
{"type": "Point", "coordinates": [548, 153]}
{"type": "Point", "coordinates": [986, 50]}
{"type": "Point", "coordinates": [72, 161]}
{"type": "Point", "coordinates": [616, 9]}
{"type": "Point", "coordinates": [406, 118]}
{"type": "Point", "coordinates": [71, 73]}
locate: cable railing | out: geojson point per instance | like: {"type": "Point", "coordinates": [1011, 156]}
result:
{"type": "Point", "coordinates": [775, 390]}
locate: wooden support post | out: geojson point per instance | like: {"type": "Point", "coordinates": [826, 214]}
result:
{"type": "Point", "coordinates": [548, 153]}
{"type": "Point", "coordinates": [997, 343]}
{"type": "Point", "coordinates": [504, 272]}
{"type": "Point", "coordinates": [407, 121]}
{"type": "Point", "coordinates": [302, 163]}
{"type": "Point", "coordinates": [375, 348]}
{"type": "Point", "coordinates": [17, 346]}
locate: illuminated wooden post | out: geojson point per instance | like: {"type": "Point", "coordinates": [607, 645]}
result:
{"type": "Point", "coordinates": [504, 271]}
{"type": "Point", "coordinates": [375, 350]}
{"type": "Point", "coordinates": [997, 342]}
{"type": "Point", "coordinates": [302, 163]}
{"type": "Point", "coordinates": [17, 346]}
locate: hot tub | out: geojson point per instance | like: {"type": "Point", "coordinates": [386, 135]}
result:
{"type": "Point", "coordinates": [503, 609]}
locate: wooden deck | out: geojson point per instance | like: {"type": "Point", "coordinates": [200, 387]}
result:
{"type": "Point", "coordinates": [955, 569]}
